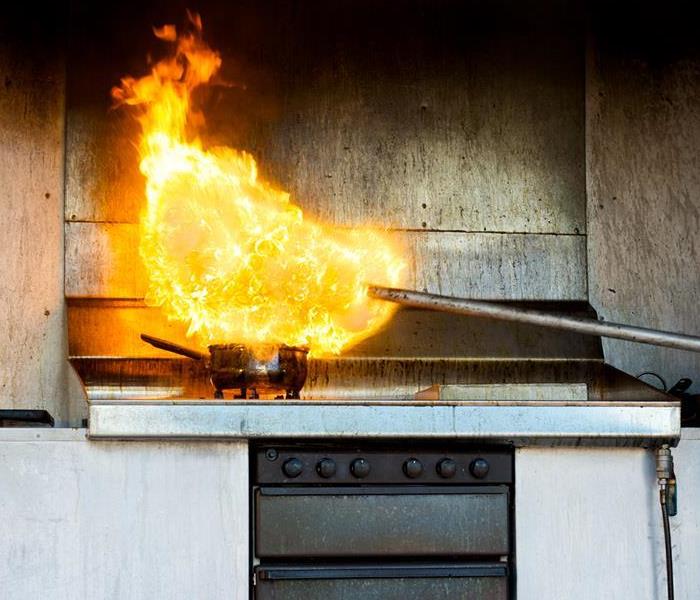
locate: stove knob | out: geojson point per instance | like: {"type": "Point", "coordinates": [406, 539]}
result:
{"type": "Point", "coordinates": [326, 467]}
{"type": "Point", "coordinates": [479, 468]}
{"type": "Point", "coordinates": [412, 468]}
{"type": "Point", "coordinates": [446, 468]}
{"type": "Point", "coordinates": [360, 468]}
{"type": "Point", "coordinates": [293, 467]}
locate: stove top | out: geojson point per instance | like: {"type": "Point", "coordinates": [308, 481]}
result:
{"type": "Point", "coordinates": [456, 357]}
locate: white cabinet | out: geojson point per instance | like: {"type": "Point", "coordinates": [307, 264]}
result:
{"type": "Point", "coordinates": [121, 520]}
{"type": "Point", "coordinates": [169, 519]}
{"type": "Point", "coordinates": [588, 523]}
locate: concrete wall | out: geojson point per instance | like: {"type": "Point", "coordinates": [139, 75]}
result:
{"type": "Point", "coordinates": [643, 180]}
{"type": "Point", "coordinates": [459, 125]}
{"type": "Point", "coordinates": [33, 344]}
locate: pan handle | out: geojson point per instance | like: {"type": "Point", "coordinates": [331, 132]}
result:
{"type": "Point", "coordinates": [174, 348]}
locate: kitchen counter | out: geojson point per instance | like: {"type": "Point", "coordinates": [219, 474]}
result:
{"type": "Point", "coordinates": [522, 423]}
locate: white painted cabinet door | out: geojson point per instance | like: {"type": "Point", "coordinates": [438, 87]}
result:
{"type": "Point", "coordinates": [588, 524]}
{"type": "Point", "coordinates": [122, 520]}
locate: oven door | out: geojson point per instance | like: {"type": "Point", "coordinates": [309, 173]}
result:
{"type": "Point", "coordinates": [392, 521]}
{"type": "Point", "coordinates": [481, 581]}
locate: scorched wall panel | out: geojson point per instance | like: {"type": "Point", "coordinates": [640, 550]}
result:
{"type": "Point", "coordinates": [643, 147]}
{"type": "Point", "coordinates": [102, 261]}
{"type": "Point", "coordinates": [33, 367]}
{"type": "Point", "coordinates": [450, 119]}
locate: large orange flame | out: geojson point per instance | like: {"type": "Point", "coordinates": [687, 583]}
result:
{"type": "Point", "coordinates": [226, 252]}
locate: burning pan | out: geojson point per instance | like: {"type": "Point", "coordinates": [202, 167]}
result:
{"type": "Point", "coordinates": [278, 371]}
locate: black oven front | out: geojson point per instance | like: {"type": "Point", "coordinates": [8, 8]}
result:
{"type": "Point", "coordinates": [334, 522]}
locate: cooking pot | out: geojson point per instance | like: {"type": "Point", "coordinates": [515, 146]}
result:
{"type": "Point", "coordinates": [268, 369]}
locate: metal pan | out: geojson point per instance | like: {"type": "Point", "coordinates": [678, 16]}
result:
{"type": "Point", "coordinates": [271, 370]}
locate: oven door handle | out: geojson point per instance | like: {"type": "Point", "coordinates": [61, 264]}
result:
{"type": "Point", "coordinates": [385, 571]}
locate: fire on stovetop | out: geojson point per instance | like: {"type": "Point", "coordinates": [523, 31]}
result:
{"type": "Point", "coordinates": [226, 252]}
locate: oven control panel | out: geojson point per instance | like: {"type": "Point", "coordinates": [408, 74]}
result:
{"type": "Point", "coordinates": [296, 465]}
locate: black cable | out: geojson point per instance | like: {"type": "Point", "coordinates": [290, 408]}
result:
{"type": "Point", "coordinates": [667, 540]}
{"type": "Point", "coordinates": [661, 379]}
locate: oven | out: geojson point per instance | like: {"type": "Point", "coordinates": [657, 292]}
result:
{"type": "Point", "coordinates": [361, 521]}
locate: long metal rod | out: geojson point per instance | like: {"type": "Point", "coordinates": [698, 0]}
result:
{"type": "Point", "coordinates": [504, 312]}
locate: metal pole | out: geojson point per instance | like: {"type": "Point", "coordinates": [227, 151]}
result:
{"type": "Point", "coordinates": [504, 312]}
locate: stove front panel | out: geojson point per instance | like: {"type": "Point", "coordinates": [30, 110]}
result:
{"type": "Point", "coordinates": [363, 520]}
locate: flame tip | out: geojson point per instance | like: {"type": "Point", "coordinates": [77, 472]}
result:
{"type": "Point", "coordinates": [167, 33]}
{"type": "Point", "coordinates": [195, 19]}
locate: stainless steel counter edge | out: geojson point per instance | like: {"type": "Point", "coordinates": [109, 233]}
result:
{"type": "Point", "coordinates": [520, 423]}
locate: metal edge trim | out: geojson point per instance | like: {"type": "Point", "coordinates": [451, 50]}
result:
{"type": "Point", "coordinates": [408, 404]}
{"type": "Point", "coordinates": [577, 425]}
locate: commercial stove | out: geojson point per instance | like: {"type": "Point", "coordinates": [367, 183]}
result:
{"type": "Point", "coordinates": [392, 476]}
{"type": "Point", "coordinates": [428, 375]}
